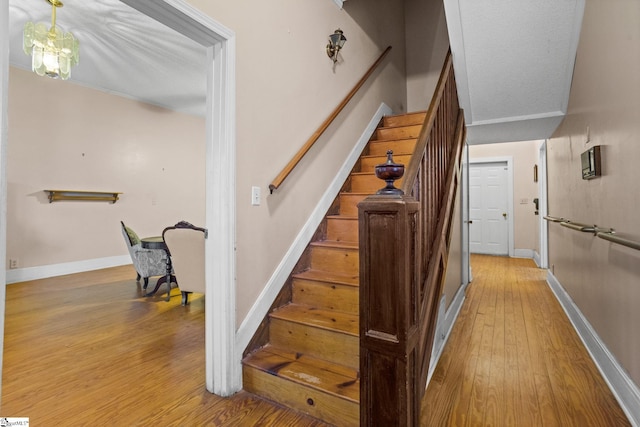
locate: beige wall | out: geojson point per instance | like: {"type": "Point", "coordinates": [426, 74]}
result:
{"type": "Point", "coordinates": [427, 46]}
{"type": "Point", "coordinates": [602, 278]}
{"type": "Point", "coordinates": [64, 136]}
{"type": "Point", "coordinates": [525, 155]}
{"type": "Point", "coordinates": [286, 86]}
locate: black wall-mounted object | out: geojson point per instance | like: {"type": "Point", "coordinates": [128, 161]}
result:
{"type": "Point", "coordinates": [591, 163]}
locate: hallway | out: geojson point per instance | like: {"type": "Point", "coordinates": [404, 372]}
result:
{"type": "Point", "coordinates": [514, 359]}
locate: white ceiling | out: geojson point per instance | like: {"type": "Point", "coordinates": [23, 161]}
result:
{"type": "Point", "coordinates": [514, 63]}
{"type": "Point", "coordinates": [122, 51]}
{"type": "Point", "coordinates": [513, 59]}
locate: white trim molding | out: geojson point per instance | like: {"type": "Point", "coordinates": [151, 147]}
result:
{"type": "Point", "coordinates": [261, 307]}
{"type": "Point", "coordinates": [339, 3]}
{"type": "Point", "coordinates": [444, 325]}
{"type": "Point", "coordinates": [4, 124]}
{"type": "Point", "coordinates": [223, 371]}
{"type": "Point", "coordinates": [624, 389]}
{"type": "Point", "coordinates": [523, 253]}
{"type": "Point", "coordinates": [52, 270]}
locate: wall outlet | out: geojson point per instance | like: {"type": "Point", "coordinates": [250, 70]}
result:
{"type": "Point", "coordinates": [13, 263]}
{"type": "Point", "coordinates": [255, 196]}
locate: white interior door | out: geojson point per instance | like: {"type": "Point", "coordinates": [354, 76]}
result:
{"type": "Point", "coordinates": [488, 208]}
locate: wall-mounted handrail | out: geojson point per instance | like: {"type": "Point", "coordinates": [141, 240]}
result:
{"type": "Point", "coordinates": [316, 135]}
{"type": "Point", "coordinates": [608, 234]}
{"type": "Point", "coordinates": [579, 227]}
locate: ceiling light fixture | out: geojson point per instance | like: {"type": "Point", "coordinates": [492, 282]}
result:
{"type": "Point", "coordinates": [53, 52]}
{"type": "Point", "coordinates": [336, 41]}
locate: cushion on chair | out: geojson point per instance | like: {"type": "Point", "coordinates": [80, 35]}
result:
{"type": "Point", "coordinates": [133, 237]}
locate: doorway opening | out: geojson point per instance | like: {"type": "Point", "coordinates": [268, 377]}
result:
{"type": "Point", "coordinates": [223, 373]}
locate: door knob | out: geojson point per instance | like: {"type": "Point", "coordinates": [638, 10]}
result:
{"type": "Point", "coordinates": [504, 214]}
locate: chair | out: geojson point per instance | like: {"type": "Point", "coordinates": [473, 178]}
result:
{"type": "Point", "coordinates": [147, 262]}
{"type": "Point", "coordinates": [185, 243]}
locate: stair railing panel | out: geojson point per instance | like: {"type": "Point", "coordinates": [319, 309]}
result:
{"type": "Point", "coordinates": [404, 246]}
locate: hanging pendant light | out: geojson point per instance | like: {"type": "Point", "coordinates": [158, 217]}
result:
{"type": "Point", "coordinates": [53, 52]}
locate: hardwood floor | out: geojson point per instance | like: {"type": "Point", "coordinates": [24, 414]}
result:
{"type": "Point", "coordinates": [88, 349]}
{"type": "Point", "coordinates": [513, 358]}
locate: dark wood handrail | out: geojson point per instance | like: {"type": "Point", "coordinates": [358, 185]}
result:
{"type": "Point", "coordinates": [423, 137]}
{"type": "Point", "coordinates": [307, 146]}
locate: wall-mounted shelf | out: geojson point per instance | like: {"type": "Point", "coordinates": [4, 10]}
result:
{"type": "Point", "coordinates": [93, 196]}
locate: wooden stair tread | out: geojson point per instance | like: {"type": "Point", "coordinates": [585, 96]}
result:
{"type": "Point", "coordinates": [318, 374]}
{"type": "Point", "coordinates": [323, 319]}
{"type": "Point", "coordinates": [392, 140]}
{"type": "Point", "coordinates": [344, 217]}
{"type": "Point", "coordinates": [329, 277]}
{"type": "Point", "coordinates": [382, 156]}
{"type": "Point", "coordinates": [335, 244]}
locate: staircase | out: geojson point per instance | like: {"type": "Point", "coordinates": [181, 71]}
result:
{"type": "Point", "coordinates": [311, 362]}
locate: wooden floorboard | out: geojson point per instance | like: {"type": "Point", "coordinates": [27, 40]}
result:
{"type": "Point", "coordinates": [90, 349]}
{"type": "Point", "coordinates": [514, 359]}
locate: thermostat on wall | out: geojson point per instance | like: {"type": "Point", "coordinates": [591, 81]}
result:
{"type": "Point", "coordinates": [591, 164]}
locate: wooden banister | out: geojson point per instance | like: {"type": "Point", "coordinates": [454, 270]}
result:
{"type": "Point", "coordinates": [307, 146]}
{"type": "Point", "coordinates": [404, 246]}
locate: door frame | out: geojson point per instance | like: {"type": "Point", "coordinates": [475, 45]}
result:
{"type": "Point", "coordinates": [4, 125]}
{"type": "Point", "coordinates": [223, 374]}
{"type": "Point", "coordinates": [543, 207]}
{"type": "Point", "coordinates": [510, 210]}
{"type": "Point", "coordinates": [464, 212]}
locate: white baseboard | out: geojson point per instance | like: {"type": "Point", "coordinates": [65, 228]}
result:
{"type": "Point", "coordinates": [523, 253]}
{"type": "Point", "coordinates": [624, 389]}
{"type": "Point", "coordinates": [536, 259]}
{"type": "Point", "coordinates": [52, 270]}
{"type": "Point", "coordinates": [261, 307]}
{"type": "Point", "coordinates": [444, 327]}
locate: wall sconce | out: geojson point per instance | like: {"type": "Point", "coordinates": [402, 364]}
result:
{"type": "Point", "coordinates": [336, 41]}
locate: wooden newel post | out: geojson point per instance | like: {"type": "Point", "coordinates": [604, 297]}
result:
{"type": "Point", "coordinates": [389, 309]}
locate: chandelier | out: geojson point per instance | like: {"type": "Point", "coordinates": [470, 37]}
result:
{"type": "Point", "coordinates": [53, 52]}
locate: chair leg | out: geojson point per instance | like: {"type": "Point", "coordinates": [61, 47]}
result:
{"type": "Point", "coordinates": [146, 283]}
{"type": "Point", "coordinates": [138, 277]}
{"type": "Point", "coordinates": [185, 298]}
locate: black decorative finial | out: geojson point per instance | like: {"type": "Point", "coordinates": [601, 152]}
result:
{"type": "Point", "coordinates": [389, 172]}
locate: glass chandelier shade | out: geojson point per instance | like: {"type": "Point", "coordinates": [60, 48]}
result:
{"type": "Point", "coordinates": [53, 52]}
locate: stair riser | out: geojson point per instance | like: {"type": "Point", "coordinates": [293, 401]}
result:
{"type": "Point", "coordinates": [326, 296]}
{"type": "Point", "coordinates": [368, 164]}
{"type": "Point", "coordinates": [342, 230]}
{"type": "Point", "coordinates": [397, 133]}
{"type": "Point", "coordinates": [335, 347]}
{"type": "Point", "coordinates": [349, 203]}
{"type": "Point", "coordinates": [404, 120]}
{"type": "Point", "coordinates": [405, 146]}
{"type": "Point", "coordinates": [370, 183]}
{"type": "Point", "coordinates": [335, 259]}
{"type": "Point", "coordinates": [328, 408]}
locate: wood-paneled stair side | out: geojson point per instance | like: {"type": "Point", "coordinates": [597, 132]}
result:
{"type": "Point", "coordinates": [311, 360]}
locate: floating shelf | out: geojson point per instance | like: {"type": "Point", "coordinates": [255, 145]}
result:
{"type": "Point", "coordinates": [92, 196]}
